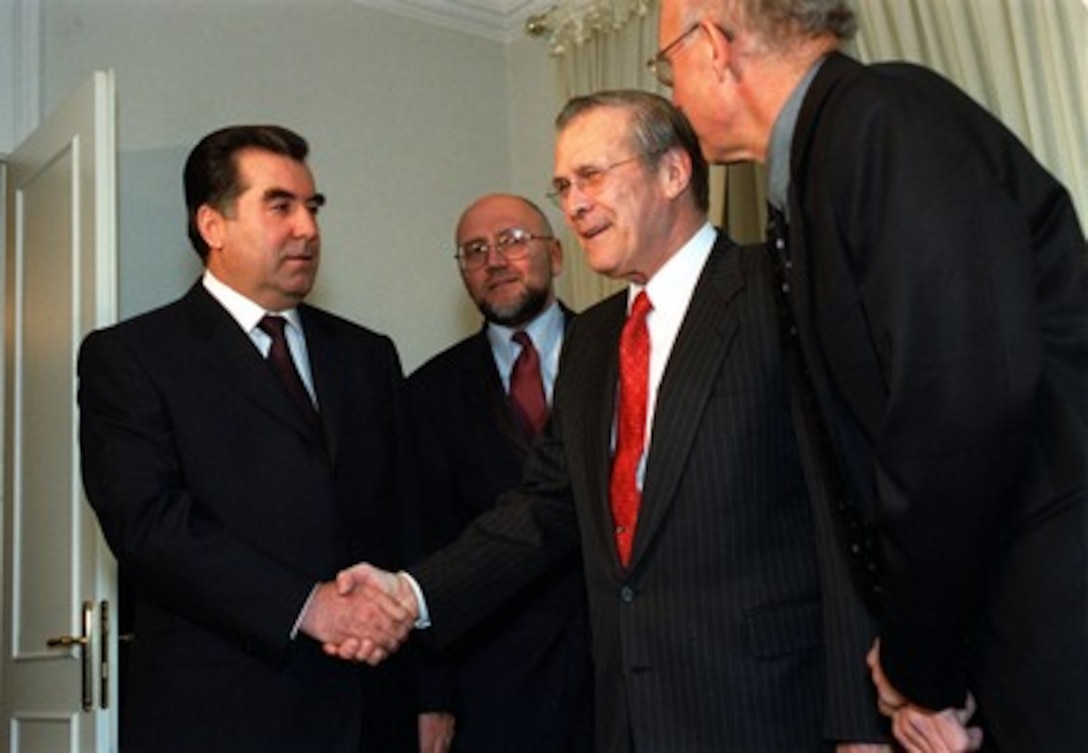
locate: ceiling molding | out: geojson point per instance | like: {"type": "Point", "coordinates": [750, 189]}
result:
{"type": "Point", "coordinates": [502, 20]}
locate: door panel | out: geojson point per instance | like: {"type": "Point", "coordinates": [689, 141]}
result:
{"type": "Point", "coordinates": [59, 578]}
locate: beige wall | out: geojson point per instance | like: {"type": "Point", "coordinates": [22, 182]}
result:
{"type": "Point", "coordinates": [407, 123]}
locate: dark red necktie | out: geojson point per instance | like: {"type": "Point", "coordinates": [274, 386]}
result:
{"type": "Point", "coordinates": [634, 384]}
{"type": "Point", "coordinates": [527, 388]}
{"type": "Point", "coordinates": [279, 358]}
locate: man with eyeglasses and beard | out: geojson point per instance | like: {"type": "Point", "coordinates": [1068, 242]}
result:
{"type": "Point", "coordinates": [522, 680]}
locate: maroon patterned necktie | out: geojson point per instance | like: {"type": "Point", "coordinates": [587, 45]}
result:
{"type": "Point", "coordinates": [279, 358]}
{"type": "Point", "coordinates": [527, 388]}
{"type": "Point", "coordinates": [624, 493]}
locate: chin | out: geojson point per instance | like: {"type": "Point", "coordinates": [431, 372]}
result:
{"type": "Point", "coordinates": [602, 265]}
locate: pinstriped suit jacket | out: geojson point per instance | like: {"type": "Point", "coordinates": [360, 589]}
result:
{"type": "Point", "coordinates": [714, 639]}
{"type": "Point", "coordinates": [522, 680]}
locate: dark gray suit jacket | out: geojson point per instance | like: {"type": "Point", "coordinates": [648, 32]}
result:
{"type": "Point", "coordinates": [224, 508]}
{"type": "Point", "coordinates": [941, 286]}
{"type": "Point", "coordinates": [719, 636]}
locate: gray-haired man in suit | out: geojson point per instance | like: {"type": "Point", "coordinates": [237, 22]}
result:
{"type": "Point", "coordinates": [721, 613]}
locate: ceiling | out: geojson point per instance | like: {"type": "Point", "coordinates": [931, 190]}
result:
{"type": "Point", "coordinates": [496, 19]}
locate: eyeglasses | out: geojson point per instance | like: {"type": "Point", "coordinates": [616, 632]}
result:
{"type": "Point", "coordinates": [589, 179]}
{"type": "Point", "coordinates": [511, 244]}
{"type": "Point", "coordinates": [660, 65]}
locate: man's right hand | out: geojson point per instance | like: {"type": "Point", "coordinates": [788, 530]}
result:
{"type": "Point", "coordinates": [366, 618]}
{"type": "Point", "coordinates": [396, 600]}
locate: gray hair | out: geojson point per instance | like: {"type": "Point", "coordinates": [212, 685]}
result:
{"type": "Point", "coordinates": [658, 126]}
{"type": "Point", "coordinates": [777, 21]}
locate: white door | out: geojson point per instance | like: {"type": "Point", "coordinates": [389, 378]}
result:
{"type": "Point", "coordinates": [59, 691]}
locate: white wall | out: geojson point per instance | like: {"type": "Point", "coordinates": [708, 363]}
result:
{"type": "Point", "coordinates": [407, 123]}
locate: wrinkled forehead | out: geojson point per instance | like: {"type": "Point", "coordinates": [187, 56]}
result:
{"type": "Point", "coordinates": [594, 137]}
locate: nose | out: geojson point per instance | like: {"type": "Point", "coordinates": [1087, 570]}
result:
{"type": "Point", "coordinates": [577, 202]}
{"type": "Point", "coordinates": [495, 256]}
{"type": "Point", "coordinates": [306, 224]}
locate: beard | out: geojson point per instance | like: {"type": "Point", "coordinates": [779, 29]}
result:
{"type": "Point", "coordinates": [526, 308]}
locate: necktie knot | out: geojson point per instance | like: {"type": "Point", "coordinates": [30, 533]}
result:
{"type": "Point", "coordinates": [273, 326]}
{"type": "Point", "coordinates": [521, 337]}
{"type": "Point", "coordinates": [641, 306]}
{"type": "Point", "coordinates": [527, 387]}
{"type": "Point", "coordinates": [283, 365]}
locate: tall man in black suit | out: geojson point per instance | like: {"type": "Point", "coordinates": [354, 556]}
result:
{"type": "Point", "coordinates": [721, 617]}
{"type": "Point", "coordinates": [522, 680]}
{"type": "Point", "coordinates": [228, 504]}
{"type": "Point", "coordinates": [940, 287]}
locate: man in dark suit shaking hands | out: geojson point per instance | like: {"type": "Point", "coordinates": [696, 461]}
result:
{"type": "Point", "coordinates": [720, 613]}
{"type": "Point", "coordinates": [231, 497]}
{"type": "Point", "coordinates": [522, 680]}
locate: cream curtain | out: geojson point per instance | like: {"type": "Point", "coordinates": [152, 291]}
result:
{"type": "Point", "coordinates": [1024, 60]}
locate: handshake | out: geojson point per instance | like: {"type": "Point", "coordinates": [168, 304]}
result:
{"type": "Point", "coordinates": [364, 615]}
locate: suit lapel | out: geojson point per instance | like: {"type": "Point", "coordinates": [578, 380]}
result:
{"type": "Point", "coordinates": [587, 377]}
{"type": "Point", "coordinates": [231, 353]}
{"type": "Point", "coordinates": [482, 387]}
{"type": "Point", "coordinates": [701, 345]}
{"type": "Point", "coordinates": [329, 375]}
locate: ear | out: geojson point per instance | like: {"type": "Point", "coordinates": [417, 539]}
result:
{"type": "Point", "coordinates": [210, 224]}
{"type": "Point", "coordinates": [721, 48]}
{"type": "Point", "coordinates": [675, 171]}
{"type": "Point", "coordinates": [556, 256]}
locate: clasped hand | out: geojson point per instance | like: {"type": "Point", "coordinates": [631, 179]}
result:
{"type": "Point", "coordinates": [385, 612]}
{"type": "Point", "coordinates": [921, 730]}
{"type": "Point", "coordinates": [364, 615]}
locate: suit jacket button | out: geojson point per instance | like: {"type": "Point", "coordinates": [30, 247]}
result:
{"type": "Point", "coordinates": [627, 594]}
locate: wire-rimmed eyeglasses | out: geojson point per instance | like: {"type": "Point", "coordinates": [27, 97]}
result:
{"type": "Point", "coordinates": [511, 244]}
{"type": "Point", "coordinates": [660, 65]}
{"type": "Point", "coordinates": [589, 179]}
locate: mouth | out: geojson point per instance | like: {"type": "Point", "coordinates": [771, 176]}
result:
{"type": "Point", "coordinates": [588, 234]}
{"type": "Point", "coordinates": [500, 282]}
{"type": "Point", "coordinates": [300, 258]}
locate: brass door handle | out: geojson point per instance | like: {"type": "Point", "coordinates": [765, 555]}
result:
{"type": "Point", "coordinates": [67, 641]}
{"type": "Point", "coordinates": [84, 643]}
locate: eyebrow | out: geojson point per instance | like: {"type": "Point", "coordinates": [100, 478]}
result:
{"type": "Point", "coordinates": [275, 194]}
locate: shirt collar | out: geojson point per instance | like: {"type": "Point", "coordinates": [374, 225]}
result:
{"type": "Point", "coordinates": [546, 331]}
{"type": "Point", "coordinates": [778, 153]}
{"type": "Point", "coordinates": [671, 287]}
{"type": "Point", "coordinates": [244, 311]}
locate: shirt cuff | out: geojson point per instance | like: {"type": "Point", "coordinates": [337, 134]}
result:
{"type": "Point", "coordinates": [302, 612]}
{"type": "Point", "coordinates": [424, 620]}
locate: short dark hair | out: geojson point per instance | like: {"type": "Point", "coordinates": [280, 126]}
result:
{"type": "Point", "coordinates": [211, 170]}
{"type": "Point", "coordinates": [658, 127]}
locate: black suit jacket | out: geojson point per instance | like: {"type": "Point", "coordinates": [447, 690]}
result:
{"type": "Point", "coordinates": [224, 509]}
{"type": "Point", "coordinates": [717, 636]}
{"type": "Point", "coordinates": [941, 290]}
{"type": "Point", "coordinates": [522, 680]}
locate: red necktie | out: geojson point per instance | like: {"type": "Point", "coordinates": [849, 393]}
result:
{"type": "Point", "coordinates": [630, 424]}
{"type": "Point", "coordinates": [527, 389]}
{"type": "Point", "coordinates": [279, 358]}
